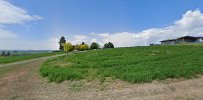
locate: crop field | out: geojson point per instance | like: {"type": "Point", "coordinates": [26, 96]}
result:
{"type": "Point", "coordinates": [9, 59]}
{"type": "Point", "coordinates": [134, 64]}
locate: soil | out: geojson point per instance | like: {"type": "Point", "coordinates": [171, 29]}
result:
{"type": "Point", "coordinates": [25, 83]}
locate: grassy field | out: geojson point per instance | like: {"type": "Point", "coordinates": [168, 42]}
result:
{"type": "Point", "coordinates": [135, 64]}
{"type": "Point", "coordinates": [9, 59]}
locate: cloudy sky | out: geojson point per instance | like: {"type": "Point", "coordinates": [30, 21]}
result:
{"type": "Point", "coordinates": [39, 24]}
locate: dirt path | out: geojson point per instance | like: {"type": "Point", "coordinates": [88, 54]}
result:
{"type": "Point", "coordinates": [25, 83]}
{"type": "Point", "coordinates": [30, 60]}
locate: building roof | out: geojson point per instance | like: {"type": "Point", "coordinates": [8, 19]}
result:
{"type": "Point", "coordinates": [168, 40]}
{"type": "Point", "coordinates": [191, 37]}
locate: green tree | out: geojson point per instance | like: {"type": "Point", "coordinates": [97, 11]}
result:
{"type": "Point", "coordinates": [8, 54]}
{"type": "Point", "coordinates": [68, 47]}
{"type": "Point", "coordinates": [3, 53]}
{"type": "Point", "coordinates": [108, 45]}
{"type": "Point", "coordinates": [94, 45]}
{"type": "Point", "coordinates": [61, 42]}
{"type": "Point", "coordinates": [111, 45]}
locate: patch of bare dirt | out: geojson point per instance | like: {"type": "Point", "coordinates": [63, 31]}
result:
{"type": "Point", "coordinates": [25, 83]}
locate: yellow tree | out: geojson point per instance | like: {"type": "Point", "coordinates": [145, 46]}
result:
{"type": "Point", "coordinates": [67, 47]}
{"type": "Point", "coordinates": [83, 47]}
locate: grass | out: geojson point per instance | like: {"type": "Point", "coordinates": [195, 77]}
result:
{"type": "Point", "coordinates": [135, 64]}
{"type": "Point", "coordinates": [10, 59]}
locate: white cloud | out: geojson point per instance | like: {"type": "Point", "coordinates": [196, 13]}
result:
{"type": "Point", "coordinates": [191, 23]}
{"type": "Point", "coordinates": [18, 44]}
{"type": "Point", "coordinates": [10, 14]}
{"type": "Point", "coordinates": [7, 35]}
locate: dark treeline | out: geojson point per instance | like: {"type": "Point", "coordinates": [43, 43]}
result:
{"type": "Point", "coordinates": [5, 54]}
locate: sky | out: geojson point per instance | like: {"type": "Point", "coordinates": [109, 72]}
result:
{"type": "Point", "coordinates": [39, 24]}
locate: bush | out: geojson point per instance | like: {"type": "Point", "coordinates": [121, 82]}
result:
{"type": "Point", "coordinates": [94, 46]}
{"type": "Point", "coordinates": [108, 45]}
{"type": "Point", "coordinates": [76, 47]}
{"type": "Point", "coordinates": [83, 47]}
{"type": "Point", "coordinates": [68, 47]}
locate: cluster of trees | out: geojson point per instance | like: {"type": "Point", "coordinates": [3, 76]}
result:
{"type": "Point", "coordinates": [67, 46]}
{"type": "Point", "coordinates": [108, 45]}
{"type": "Point", "coordinates": [6, 54]}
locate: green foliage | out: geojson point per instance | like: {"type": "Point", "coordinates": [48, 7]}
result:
{"type": "Point", "coordinates": [61, 42]}
{"type": "Point", "coordinates": [8, 54]}
{"type": "Point", "coordinates": [94, 46]}
{"type": "Point", "coordinates": [83, 47]}
{"type": "Point", "coordinates": [68, 47]}
{"type": "Point", "coordinates": [108, 45]}
{"type": "Point", "coordinates": [76, 47]}
{"type": "Point", "coordinates": [136, 64]}
{"type": "Point", "coordinates": [3, 53]}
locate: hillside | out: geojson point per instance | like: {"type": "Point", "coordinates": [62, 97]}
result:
{"type": "Point", "coordinates": [135, 64]}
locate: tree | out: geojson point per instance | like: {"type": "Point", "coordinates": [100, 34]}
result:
{"type": "Point", "coordinates": [111, 45]}
{"type": "Point", "coordinates": [61, 43]}
{"type": "Point", "coordinates": [3, 53]}
{"type": "Point", "coordinates": [68, 47]}
{"type": "Point", "coordinates": [76, 47]}
{"type": "Point", "coordinates": [83, 47]}
{"type": "Point", "coordinates": [8, 54]}
{"type": "Point", "coordinates": [108, 45]}
{"type": "Point", "coordinates": [94, 45]}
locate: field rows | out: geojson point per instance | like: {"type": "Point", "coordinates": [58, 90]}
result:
{"type": "Point", "coordinates": [136, 64]}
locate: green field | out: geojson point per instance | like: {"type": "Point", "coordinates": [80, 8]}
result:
{"type": "Point", "coordinates": [9, 59]}
{"type": "Point", "coordinates": [135, 64]}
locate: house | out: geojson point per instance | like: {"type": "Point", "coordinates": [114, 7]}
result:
{"type": "Point", "coordinates": [184, 39]}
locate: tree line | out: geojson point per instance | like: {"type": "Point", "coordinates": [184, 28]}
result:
{"type": "Point", "coordinates": [67, 46]}
{"type": "Point", "coordinates": [5, 54]}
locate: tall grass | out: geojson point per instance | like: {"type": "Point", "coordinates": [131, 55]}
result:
{"type": "Point", "coordinates": [135, 64]}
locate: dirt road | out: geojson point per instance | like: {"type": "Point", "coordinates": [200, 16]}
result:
{"type": "Point", "coordinates": [27, 61]}
{"type": "Point", "coordinates": [25, 83]}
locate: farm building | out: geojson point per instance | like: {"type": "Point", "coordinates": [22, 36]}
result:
{"type": "Point", "coordinates": [184, 39]}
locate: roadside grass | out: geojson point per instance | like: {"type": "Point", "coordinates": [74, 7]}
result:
{"type": "Point", "coordinates": [10, 59]}
{"type": "Point", "coordinates": [133, 64]}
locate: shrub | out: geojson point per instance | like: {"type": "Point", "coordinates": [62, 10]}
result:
{"type": "Point", "coordinates": [68, 47]}
{"type": "Point", "coordinates": [76, 47]}
{"type": "Point", "coordinates": [83, 47]}
{"type": "Point", "coordinates": [94, 46]}
{"type": "Point", "coordinates": [108, 45]}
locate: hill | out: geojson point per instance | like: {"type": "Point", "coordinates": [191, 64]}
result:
{"type": "Point", "coordinates": [134, 64]}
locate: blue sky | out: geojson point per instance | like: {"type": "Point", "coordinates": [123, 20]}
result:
{"type": "Point", "coordinates": [92, 20]}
